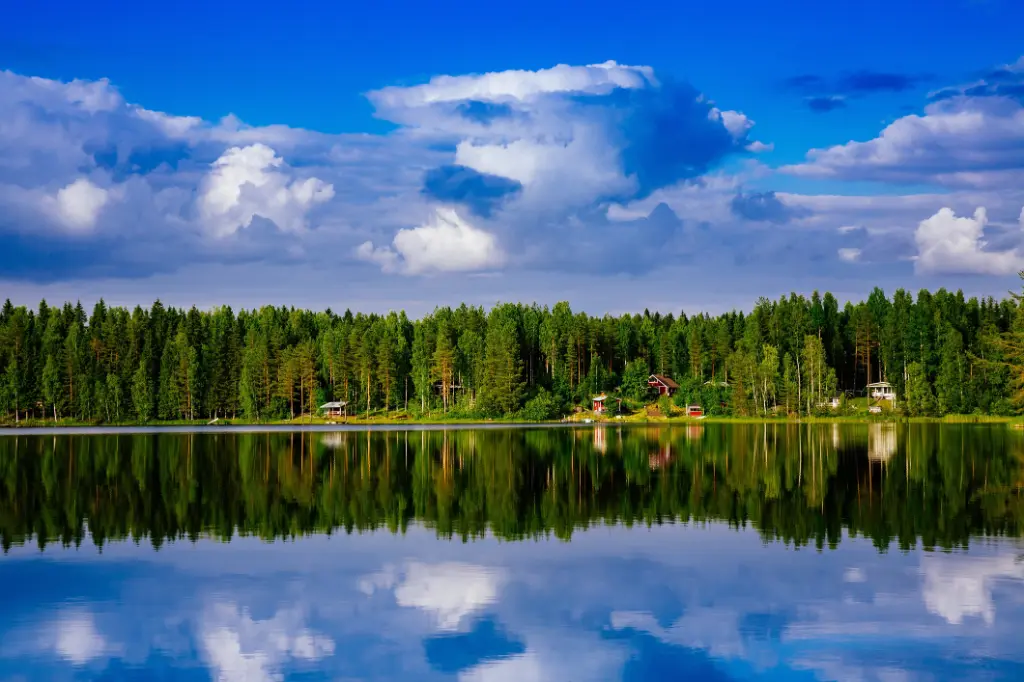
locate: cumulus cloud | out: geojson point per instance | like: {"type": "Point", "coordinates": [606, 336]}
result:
{"type": "Point", "coordinates": [450, 592]}
{"type": "Point", "coordinates": [849, 254]}
{"type": "Point", "coordinates": [241, 649]}
{"type": "Point", "coordinates": [246, 182]}
{"type": "Point", "coordinates": [1003, 81]}
{"type": "Point", "coordinates": [78, 205]}
{"type": "Point", "coordinates": [960, 142]}
{"type": "Point", "coordinates": [447, 243]}
{"type": "Point", "coordinates": [481, 192]}
{"type": "Point", "coordinates": [951, 244]}
{"type": "Point", "coordinates": [764, 206]}
{"type": "Point", "coordinates": [515, 85]}
{"type": "Point", "coordinates": [539, 152]}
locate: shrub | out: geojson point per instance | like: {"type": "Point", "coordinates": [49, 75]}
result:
{"type": "Point", "coordinates": [540, 407]}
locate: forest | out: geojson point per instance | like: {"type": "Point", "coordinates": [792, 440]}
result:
{"type": "Point", "coordinates": [943, 353]}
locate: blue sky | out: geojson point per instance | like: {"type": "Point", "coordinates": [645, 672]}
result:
{"type": "Point", "coordinates": [381, 606]}
{"type": "Point", "coordinates": [429, 154]}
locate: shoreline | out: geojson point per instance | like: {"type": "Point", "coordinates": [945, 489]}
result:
{"type": "Point", "coordinates": [40, 429]}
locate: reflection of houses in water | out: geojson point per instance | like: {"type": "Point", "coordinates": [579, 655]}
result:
{"type": "Point", "coordinates": [334, 440]}
{"type": "Point", "coordinates": [662, 457]}
{"type": "Point", "coordinates": [600, 438]}
{"type": "Point", "coordinates": [881, 442]}
{"type": "Point", "coordinates": [694, 432]}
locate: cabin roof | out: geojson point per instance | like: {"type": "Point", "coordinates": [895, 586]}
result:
{"type": "Point", "coordinates": [600, 398]}
{"type": "Point", "coordinates": [880, 384]}
{"type": "Point", "coordinates": [334, 406]}
{"type": "Point", "coordinates": [664, 380]}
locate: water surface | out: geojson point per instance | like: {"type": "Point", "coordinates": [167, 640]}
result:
{"type": "Point", "coordinates": [714, 552]}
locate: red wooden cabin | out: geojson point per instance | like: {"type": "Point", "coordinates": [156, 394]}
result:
{"type": "Point", "coordinates": [663, 384]}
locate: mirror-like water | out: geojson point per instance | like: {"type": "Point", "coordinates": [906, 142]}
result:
{"type": "Point", "coordinates": [718, 552]}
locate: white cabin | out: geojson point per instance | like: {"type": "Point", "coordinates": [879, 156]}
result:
{"type": "Point", "coordinates": [881, 390]}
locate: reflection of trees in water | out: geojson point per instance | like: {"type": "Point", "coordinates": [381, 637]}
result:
{"type": "Point", "coordinates": [939, 485]}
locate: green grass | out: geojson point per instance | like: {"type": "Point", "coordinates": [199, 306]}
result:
{"type": "Point", "coordinates": [637, 417]}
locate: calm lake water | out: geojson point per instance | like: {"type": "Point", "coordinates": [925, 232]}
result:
{"type": "Point", "coordinates": [714, 552]}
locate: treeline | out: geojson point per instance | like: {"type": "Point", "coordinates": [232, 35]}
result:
{"type": "Point", "coordinates": [928, 484]}
{"type": "Point", "coordinates": [942, 352]}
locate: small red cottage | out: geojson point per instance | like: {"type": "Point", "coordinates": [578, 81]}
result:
{"type": "Point", "coordinates": [663, 384]}
{"type": "Point", "coordinates": [694, 411]}
{"type": "Point", "coordinates": [599, 403]}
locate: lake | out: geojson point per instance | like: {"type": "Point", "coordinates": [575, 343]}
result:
{"type": "Point", "coordinates": [692, 552]}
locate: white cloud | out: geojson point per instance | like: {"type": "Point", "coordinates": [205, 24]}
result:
{"type": "Point", "coordinates": [517, 85]}
{"type": "Point", "coordinates": [449, 592]}
{"type": "Point", "coordinates": [735, 122]}
{"type": "Point", "coordinates": [850, 255]}
{"type": "Point", "coordinates": [78, 205]}
{"type": "Point", "coordinates": [246, 182]}
{"type": "Point", "coordinates": [241, 649]}
{"type": "Point", "coordinates": [446, 244]}
{"type": "Point", "coordinates": [956, 588]}
{"type": "Point", "coordinates": [961, 142]}
{"type": "Point", "coordinates": [950, 244]}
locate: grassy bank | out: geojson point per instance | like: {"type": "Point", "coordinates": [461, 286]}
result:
{"type": "Point", "coordinates": [641, 417]}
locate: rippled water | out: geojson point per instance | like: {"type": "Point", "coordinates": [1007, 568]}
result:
{"type": "Point", "coordinates": [723, 552]}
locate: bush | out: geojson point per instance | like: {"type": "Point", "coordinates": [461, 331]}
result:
{"type": "Point", "coordinates": [540, 407]}
{"type": "Point", "coordinates": [665, 406]}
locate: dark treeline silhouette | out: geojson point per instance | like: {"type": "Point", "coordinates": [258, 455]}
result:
{"type": "Point", "coordinates": [938, 485]}
{"type": "Point", "coordinates": [942, 353]}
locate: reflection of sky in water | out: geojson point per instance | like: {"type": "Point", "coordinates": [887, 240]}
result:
{"type": "Point", "coordinates": [667, 603]}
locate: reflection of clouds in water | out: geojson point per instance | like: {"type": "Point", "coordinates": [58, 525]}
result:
{"type": "Point", "coordinates": [522, 668]}
{"type": "Point", "coordinates": [554, 655]}
{"type": "Point", "coordinates": [713, 630]}
{"type": "Point", "coordinates": [449, 591]}
{"type": "Point", "coordinates": [854, 575]}
{"type": "Point", "coordinates": [73, 636]}
{"type": "Point", "coordinates": [835, 668]}
{"type": "Point", "coordinates": [241, 649]}
{"type": "Point", "coordinates": [957, 587]}
{"type": "Point", "coordinates": [76, 639]}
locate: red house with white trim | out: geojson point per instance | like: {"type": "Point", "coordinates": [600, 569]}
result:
{"type": "Point", "coordinates": [663, 384]}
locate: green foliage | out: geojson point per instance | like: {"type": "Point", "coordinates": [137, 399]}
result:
{"type": "Point", "coordinates": [785, 356]}
{"type": "Point", "coordinates": [920, 402]}
{"type": "Point", "coordinates": [142, 394]}
{"type": "Point", "coordinates": [634, 381]}
{"type": "Point", "coordinates": [542, 407]}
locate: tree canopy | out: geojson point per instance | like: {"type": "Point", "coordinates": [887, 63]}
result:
{"type": "Point", "coordinates": [943, 352]}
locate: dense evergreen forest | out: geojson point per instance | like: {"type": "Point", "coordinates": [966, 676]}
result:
{"type": "Point", "coordinates": [939, 485]}
{"type": "Point", "coordinates": [943, 353]}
